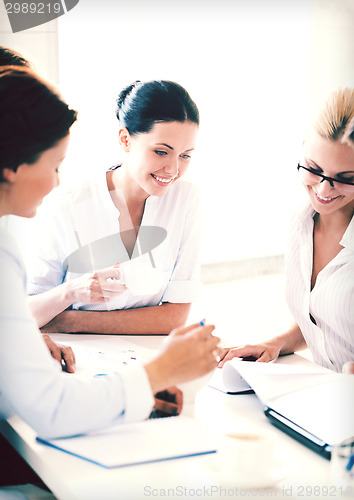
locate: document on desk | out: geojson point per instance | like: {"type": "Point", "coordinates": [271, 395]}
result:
{"type": "Point", "coordinates": [238, 376]}
{"type": "Point", "coordinates": [139, 443]}
{"type": "Point", "coordinates": [271, 380]}
{"type": "Point", "coordinates": [309, 402]}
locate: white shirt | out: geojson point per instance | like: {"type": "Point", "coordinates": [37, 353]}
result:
{"type": "Point", "coordinates": [73, 218]}
{"type": "Point", "coordinates": [331, 301]}
{"type": "Point", "coordinates": [32, 384]}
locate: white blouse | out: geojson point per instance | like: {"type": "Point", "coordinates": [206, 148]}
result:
{"type": "Point", "coordinates": [330, 333]}
{"type": "Point", "coordinates": [32, 384]}
{"type": "Point", "coordinates": [70, 219]}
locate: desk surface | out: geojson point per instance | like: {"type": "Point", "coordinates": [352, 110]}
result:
{"type": "Point", "coordinates": [305, 473]}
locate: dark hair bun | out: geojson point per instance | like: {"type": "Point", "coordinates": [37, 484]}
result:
{"type": "Point", "coordinates": [142, 104]}
{"type": "Point", "coordinates": [124, 93]}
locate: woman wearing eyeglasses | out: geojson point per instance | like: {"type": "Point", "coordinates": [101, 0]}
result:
{"type": "Point", "coordinates": [320, 257]}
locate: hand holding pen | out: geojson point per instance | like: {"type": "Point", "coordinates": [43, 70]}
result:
{"type": "Point", "coordinates": [188, 353]}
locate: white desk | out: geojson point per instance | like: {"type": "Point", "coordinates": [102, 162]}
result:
{"type": "Point", "coordinates": [71, 478]}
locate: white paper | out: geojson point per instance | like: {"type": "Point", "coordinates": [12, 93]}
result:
{"type": "Point", "coordinates": [316, 399]}
{"type": "Point", "coordinates": [271, 380]}
{"type": "Point", "coordinates": [137, 443]}
{"type": "Point", "coordinates": [94, 359]}
{"type": "Point", "coordinates": [325, 410]}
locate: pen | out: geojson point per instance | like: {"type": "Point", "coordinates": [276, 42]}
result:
{"type": "Point", "coordinates": [350, 462]}
{"type": "Point", "coordinates": [217, 357]}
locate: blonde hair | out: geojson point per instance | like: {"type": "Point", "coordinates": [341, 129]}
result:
{"type": "Point", "coordinates": [334, 115]}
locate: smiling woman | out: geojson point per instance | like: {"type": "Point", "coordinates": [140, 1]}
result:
{"type": "Point", "coordinates": [320, 257]}
{"type": "Point", "coordinates": [158, 128]}
{"type": "Point", "coordinates": [330, 162]}
{"type": "Point", "coordinates": [34, 127]}
{"type": "Point", "coordinates": [163, 154]}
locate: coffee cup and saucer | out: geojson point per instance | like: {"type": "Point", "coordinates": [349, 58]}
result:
{"type": "Point", "coordinates": [249, 460]}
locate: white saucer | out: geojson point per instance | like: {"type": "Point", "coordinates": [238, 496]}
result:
{"type": "Point", "coordinates": [259, 480]}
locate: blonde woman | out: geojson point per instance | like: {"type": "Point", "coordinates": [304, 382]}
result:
{"type": "Point", "coordinates": [320, 257]}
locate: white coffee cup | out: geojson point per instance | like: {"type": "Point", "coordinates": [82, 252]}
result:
{"type": "Point", "coordinates": [248, 459]}
{"type": "Point", "coordinates": [141, 278]}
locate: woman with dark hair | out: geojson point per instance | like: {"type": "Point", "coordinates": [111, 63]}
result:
{"type": "Point", "coordinates": [62, 353]}
{"type": "Point", "coordinates": [34, 135]}
{"type": "Point", "coordinates": [158, 127]}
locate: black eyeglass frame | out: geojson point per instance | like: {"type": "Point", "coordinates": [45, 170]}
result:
{"type": "Point", "coordinates": [331, 180]}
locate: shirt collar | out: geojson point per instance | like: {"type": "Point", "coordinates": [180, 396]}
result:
{"type": "Point", "coordinates": [348, 238]}
{"type": "Point", "coordinates": [307, 219]}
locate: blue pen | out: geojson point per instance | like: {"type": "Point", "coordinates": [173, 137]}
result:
{"type": "Point", "coordinates": [350, 462]}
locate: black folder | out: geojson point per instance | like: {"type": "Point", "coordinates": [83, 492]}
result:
{"type": "Point", "coordinates": [319, 417]}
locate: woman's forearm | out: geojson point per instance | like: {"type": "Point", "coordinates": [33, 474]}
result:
{"type": "Point", "coordinates": [143, 320]}
{"type": "Point", "coordinates": [47, 305]}
{"type": "Point", "coordinates": [95, 288]}
{"type": "Point", "coordinates": [291, 341]}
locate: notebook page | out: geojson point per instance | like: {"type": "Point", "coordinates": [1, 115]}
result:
{"type": "Point", "coordinates": [271, 380]}
{"type": "Point", "coordinates": [142, 442]}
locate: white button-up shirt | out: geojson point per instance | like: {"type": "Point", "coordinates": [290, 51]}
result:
{"type": "Point", "coordinates": [330, 302]}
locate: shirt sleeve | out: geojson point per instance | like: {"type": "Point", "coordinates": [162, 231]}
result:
{"type": "Point", "coordinates": [48, 251]}
{"type": "Point", "coordinates": [184, 285]}
{"type": "Point", "coordinates": [55, 403]}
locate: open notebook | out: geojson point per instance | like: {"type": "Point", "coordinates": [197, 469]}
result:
{"type": "Point", "coordinates": [139, 443]}
{"type": "Point", "coordinates": [312, 404]}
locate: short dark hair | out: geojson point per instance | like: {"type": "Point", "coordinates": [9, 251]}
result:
{"type": "Point", "coordinates": [33, 117]}
{"type": "Point", "coordinates": [142, 104]}
{"type": "Point", "coordinates": [9, 57]}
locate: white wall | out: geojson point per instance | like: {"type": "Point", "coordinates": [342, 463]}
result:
{"type": "Point", "coordinates": [241, 61]}
{"type": "Point", "coordinates": [253, 67]}
{"type": "Point", "coordinates": [39, 44]}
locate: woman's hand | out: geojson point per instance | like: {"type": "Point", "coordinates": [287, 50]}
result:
{"type": "Point", "coordinates": [188, 353]}
{"type": "Point", "coordinates": [61, 353]}
{"type": "Point", "coordinates": [286, 343]}
{"type": "Point", "coordinates": [263, 353]}
{"type": "Point", "coordinates": [95, 288]}
{"type": "Point", "coordinates": [91, 288]}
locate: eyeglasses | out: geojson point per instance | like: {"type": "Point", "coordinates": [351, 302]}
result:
{"type": "Point", "coordinates": [313, 177]}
